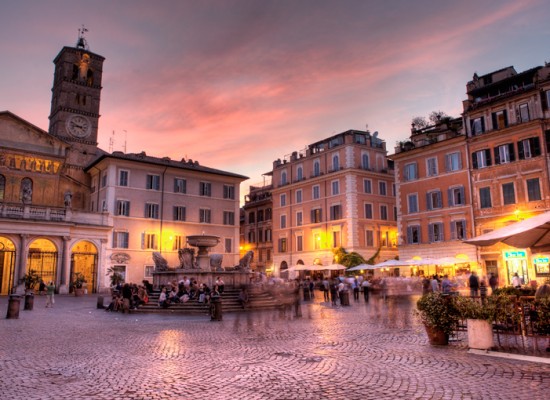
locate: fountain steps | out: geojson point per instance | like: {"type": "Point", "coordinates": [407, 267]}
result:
{"type": "Point", "coordinates": [258, 300]}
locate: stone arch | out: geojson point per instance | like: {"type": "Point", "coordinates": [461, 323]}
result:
{"type": "Point", "coordinates": [7, 265]}
{"type": "Point", "coordinates": [84, 260]}
{"type": "Point", "coordinates": [42, 258]}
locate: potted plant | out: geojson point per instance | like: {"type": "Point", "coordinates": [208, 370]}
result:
{"type": "Point", "coordinates": [115, 277]}
{"type": "Point", "coordinates": [78, 283]}
{"type": "Point", "coordinates": [439, 314]}
{"type": "Point", "coordinates": [30, 279]}
{"type": "Point", "coordinates": [479, 318]}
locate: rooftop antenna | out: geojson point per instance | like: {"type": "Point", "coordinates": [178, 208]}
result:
{"type": "Point", "coordinates": [125, 136]}
{"type": "Point", "coordinates": [82, 43]}
{"type": "Point", "coordinates": [111, 142]}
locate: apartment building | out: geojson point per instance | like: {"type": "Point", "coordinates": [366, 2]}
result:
{"type": "Point", "coordinates": [434, 199]}
{"type": "Point", "coordinates": [506, 118]}
{"type": "Point", "coordinates": [338, 192]}
{"type": "Point", "coordinates": [257, 227]}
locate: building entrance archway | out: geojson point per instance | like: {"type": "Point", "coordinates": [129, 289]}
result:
{"type": "Point", "coordinates": [84, 261]}
{"type": "Point", "coordinates": [42, 259]}
{"type": "Point", "coordinates": [7, 265]}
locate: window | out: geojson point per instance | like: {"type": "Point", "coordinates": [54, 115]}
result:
{"type": "Point", "coordinates": [120, 239]}
{"type": "Point", "coordinates": [410, 172]}
{"type": "Point", "coordinates": [299, 173]}
{"type": "Point", "coordinates": [504, 153]}
{"type": "Point", "coordinates": [299, 243]}
{"type": "Point", "coordinates": [508, 194]}
{"type": "Point", "coordinates": [382, 188]}
{"type": "Point", "coordinates": [434, 200]}
{"type": "Point", "coordinates": [180, 185]}
{"type": "Point", "coordinates": [453, 162]}
{"type": "Point", "coordinates": [298, 196]}
{"type": "Point", "coordinates": [485, 197]}
{"type": "Point", "coordinates": [336, 239]}
{"type": "Point", "coordinates": [435, 232]}
{"type": "Point", "coordinates": [149, 241]}
{"type": "Point", "coordinates": [123, 177]}
{"type": "Point", "coordinates": [368, 211]}
{"type": "Point", "coordinates": [123, 208]}
{"type": "Point", "coordinates": [533, 189]}
{"type": "Point", "coordinates": [282, 245]}
{"type": "Point", "coordinates": [369, 238]}
{"type": "Point", "coordinates": [500, 119]}
{"type": "Point", "coordinates": [251, 217]}
{"type": "Point", "coordinates": [179, 242]}
{"type": "Point", "coordinates": [458, 230]}
{"type": "Point", "coordinates": [153, 182]}
{"type": "Point", "coordinates": [179, 213]}
{"type": "Point", "coordinates": [2, 186]}
{"type": "Point", "coordinates": [228, 245]}
{"type": "Point", "coordinates": [283, 200]}
{"type": "Point", "coordinates": [523, 113]}
{"type": "Point", "coordinates": [260, 235]}
{"type": "Point", "coordinates": [205, 216]}
{"type": "Point", "coordinates": [413, 234]}
{"type": "Point", "coordinates": [395, 213]}
{"type": "Point", "coordinates": [228, 218]}
{"type": "Point", "coordinates": [335, 162]}
{"type": "Point", "coordinates": [299, 218]}
{"type": "Point", "coordinates": [365, 161]}
{"type": "Point", "coordinates": [229, 192]}
{"type": "Point", "coordinates": [268, 214]}
{"type": "Point", "coordinates": [104, 180]}
{"type": "Point", "coordinates": [260, 215]}
{"type": "Point", "coordinates": [151, 210]}
{"type": "Point", "coordinates": [335, 212]}
{"type": "Point", "coordinates": [529, 148]}
{"type": "Point", "coordinates": [316, 168]}
{"type": "Point", "coordinates": [481, 159]}
{"type": "Point", "coordinates": [384, 212]}
{"type": "Point", "coordinates": [148, 271]}
{"type": "Point", "coordinates": [252, 236]}
{"type": "Point", "coordinates": [367, 186]}
{"type": "Point", "coordinates": [335, 188]}
{"type": "Point", "coordinates": [412, 200]}
{"type": "Point", "coordinates": [268, 235]}
{"type": "Point", "coordinates": [316, 192]}
{"type": "Point", "coordinates": [205, 189]}
{"type": "Point", "coordinates": [268, 254]}
{"type": "Point", "coordinates": [316, 215]}
{"type": "Point", "coordinates": [283, 221]}
{"type": "Point", "coordinates": [317, 241]}
{"type": "Point", "coordinates": [477, 126]}
{"type": "Point", "coordinates": [431, 166]}
{"type": "Point", "coordinates": [456, 196]}
{"type": "Point", "coordinates": [283, 178]}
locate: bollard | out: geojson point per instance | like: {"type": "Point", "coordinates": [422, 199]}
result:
{"type": "Point", "coordinates": [13, 306]}
{"type": "Point", "coordinates": [29, 301]}
{"type": "Point", "coordinates": [216, 310]}
{"type": "Point", "coordinates": [100, 304]}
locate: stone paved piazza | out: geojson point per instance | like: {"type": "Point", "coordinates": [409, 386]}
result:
{"type": "Point", "coordinates": [374, 351]}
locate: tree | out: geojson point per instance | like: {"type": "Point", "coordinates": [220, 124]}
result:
{"type": "Point", "coordinates": [437, 116]}
{"type": "Point", "coordinates": [348, 259]}
{"type": "Point", "coordinates": [419, 122]}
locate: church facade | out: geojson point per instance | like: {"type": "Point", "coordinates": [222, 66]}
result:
{"type": "Point", "coordinates": [65, 203]}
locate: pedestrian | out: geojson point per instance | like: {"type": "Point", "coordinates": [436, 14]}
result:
{"type": "Point", "coordinates": [355, 289]}
{"type": "Point", "coordinates": [50, 290]}
{"type": "Point", "coordinates": [326, 290]}
{"type": "Point", "coordinates": [221, 285]}
{"type": "Point", "coordinates": [333, 292]}
{"type": "Point", "coordinates": [434, 283]}
{"type": "Point", "coordinates": [516, 281]}
{"type": "Point", "coordinates": [42, 287]}
{"type": "Point", "coordinates": [243, 298]}
{"type": "Point", "coordinates": [483, 291]}
{"type": "Point", "coordinates": [366, 285]}
{"type": "Point", "coordinates": [446, 285]}
{"type": "Point", "coordinates": [384, 288]}
{"type": "Point", "coordinates": [493, 282]}
{"type": "Point", "coordinates": [474, 284]}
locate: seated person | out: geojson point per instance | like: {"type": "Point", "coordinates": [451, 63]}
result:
{"type": "Point", "coordinates": [164, 301]}
{"type": "Point", "coordinates": [173, 296]}
{"type": "Point", "coordinates": [243, 297]}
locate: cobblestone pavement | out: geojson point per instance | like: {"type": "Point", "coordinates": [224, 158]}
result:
{"type": "Point", "coordinates": [374, 351]}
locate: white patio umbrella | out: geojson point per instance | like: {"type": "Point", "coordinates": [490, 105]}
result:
{"type": "Point", "coordinates": [532, 232]}
{"type": "Point", "coordinates": [451, 261]}
{"type": "Point", "coordinates": [360, 267]}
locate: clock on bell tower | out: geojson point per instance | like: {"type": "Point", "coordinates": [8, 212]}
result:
{"type": "Point", "coordinates": [76, 95]}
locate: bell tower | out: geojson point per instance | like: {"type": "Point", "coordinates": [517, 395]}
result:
{"type": "Point", "coordinates": [76, 93]}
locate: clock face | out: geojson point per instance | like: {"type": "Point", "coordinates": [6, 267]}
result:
{"type": "Point", "coordinates": [79, 126]}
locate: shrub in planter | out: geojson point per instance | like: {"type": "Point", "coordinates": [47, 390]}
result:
{"type": "Point", "coordinates": [438, 312]}
{"type": "Point", "coordinates": [480, 317]}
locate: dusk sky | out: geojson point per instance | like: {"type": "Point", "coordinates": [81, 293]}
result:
{"type": "Point", "coordinates": [236, 84]}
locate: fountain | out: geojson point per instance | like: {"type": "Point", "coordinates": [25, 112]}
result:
{"type": "Point", "coordinates": [204, 243]}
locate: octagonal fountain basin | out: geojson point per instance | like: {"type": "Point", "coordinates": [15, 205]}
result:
{"type": "Point", "coordinates": [203, 242]}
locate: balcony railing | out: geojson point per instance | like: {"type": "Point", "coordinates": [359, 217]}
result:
{"type": "Point", "coordinates": [37, 213]}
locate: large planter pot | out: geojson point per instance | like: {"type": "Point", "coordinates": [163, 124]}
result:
{"type": "Point", "coordinates": [79, 291]}
{"type": "Point", "coordinates": [480, 334]}
{"type": "Point", "coordinates": [436, 336]}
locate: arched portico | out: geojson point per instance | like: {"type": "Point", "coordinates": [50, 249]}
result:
{"type": "Point", "coordinates": [84, 260]}
{"type": "Point", "coordinates": [42, 258]}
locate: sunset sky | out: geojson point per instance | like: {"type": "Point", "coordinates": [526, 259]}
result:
{"type": "Point", "coordinates": [236, 84]}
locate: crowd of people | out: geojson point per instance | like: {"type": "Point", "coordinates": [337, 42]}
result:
{"type": "Point", "coordinates": [129, 296]}
{"type": "Point", "coordinates": [190, 289]}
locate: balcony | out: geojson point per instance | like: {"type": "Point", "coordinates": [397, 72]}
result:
{"type": "Point", "coordinates": [38, 213]}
